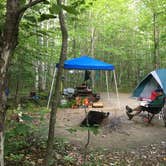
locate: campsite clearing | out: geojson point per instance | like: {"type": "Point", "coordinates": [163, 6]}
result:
{"type": "Point", "coordinates": [117, 132]}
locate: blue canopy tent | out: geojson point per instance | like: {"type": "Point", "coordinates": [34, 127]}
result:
{"type": "Point", "coordinates": [153, 80]}
{"type": "Point", "coordinates": [87, 63]}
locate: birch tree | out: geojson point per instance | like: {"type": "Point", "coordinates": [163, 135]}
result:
{"type": "Point", "coordinates": [15, 10]}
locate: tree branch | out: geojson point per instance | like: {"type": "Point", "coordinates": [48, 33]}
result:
{"type": "Point", "coordinates": [30, 4]}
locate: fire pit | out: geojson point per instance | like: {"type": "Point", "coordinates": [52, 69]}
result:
{"type": "Point", "coordinates": [94, 118]}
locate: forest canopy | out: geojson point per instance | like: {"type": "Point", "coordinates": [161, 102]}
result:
{"type": "Point", "coordinates": [35, 35]}
{"type": "Point", "coordinates": [127, 33]}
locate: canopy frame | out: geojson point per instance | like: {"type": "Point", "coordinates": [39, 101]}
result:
{"type": "Point", "coordinates": [88, 66]}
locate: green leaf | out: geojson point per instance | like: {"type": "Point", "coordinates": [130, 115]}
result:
{"type": "Point", "coordinates": [22, 2]}
{"type": "Point", "coordinates": [30, 18]}
{"type": "Point", "coordinates": [71, 130]}
{"type": "Point", "coordinates": [54, 9]}
{"type": "Point", "coordinates": [16, 157]}
{"type": "Point", "coordinates": [95, 129]}
{"type": "Point", "coordinates": [26, 117]}
{"type": "Point", "coordinates": [70, 9]}
{"type": "Point", "coordinates": [69, 159]}
{"type": "Point", "coordinates": [44, 17]}
{"type": "Point", "coordinates": [21, 129]}
{"type": "Point", "coordinates": [46, 2]}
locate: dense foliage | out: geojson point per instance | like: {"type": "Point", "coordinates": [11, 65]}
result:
{"type": "Point", "coordinates": [127, 33]}
{"type": "Point", "coordinates": [118, 32]}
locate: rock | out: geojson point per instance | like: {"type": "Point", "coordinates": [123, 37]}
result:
{"type": "Point", "coordinates": [58, 156]}
{"type": "Point", "coordinates": [40, 161]}
{"type": "Point", "coordinates": [32, 163]}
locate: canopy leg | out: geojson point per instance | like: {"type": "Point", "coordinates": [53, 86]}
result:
{"type": "Point", "coordinates": [52, 84]}
{"type": "Point", "coordinates": [106, 76]}
{"type": "Point", "coordinates": [116, 87]}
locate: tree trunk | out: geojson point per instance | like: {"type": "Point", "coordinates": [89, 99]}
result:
{"type": "Point", "coordinates": [156, 42]}
{"type": "Point", "coordinates": [42, 65]}
{"type": "Point", "coordinates": [42, 76]}
{"type": "Point", "coordinates": [56, 94]}
{"type": "Point", "coordinates": [74, 40]}
{"type": "Point", "coordinates": [8, 43]}
{"type": "Point", "coordinates": [17, 91]}
{"type": "Point", "coordinates": [36, 75]}
{"type": "Point", "coordinates": [92, 53]}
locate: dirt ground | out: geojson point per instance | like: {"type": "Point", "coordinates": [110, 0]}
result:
{"type": "Point", "coordinates": [116, 132]}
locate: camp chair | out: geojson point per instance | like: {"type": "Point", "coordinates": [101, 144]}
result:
{"type": "Point", "coordinates": [153, 110]}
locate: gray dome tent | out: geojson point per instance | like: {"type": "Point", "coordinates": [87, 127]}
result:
{"type": "Point", "coordinates": [153, 80]}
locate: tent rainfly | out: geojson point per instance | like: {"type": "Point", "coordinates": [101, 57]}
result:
{"type": "Point", "coordinates": [153, 80]}
{"type": "Point", "coordinates": [87, 63]}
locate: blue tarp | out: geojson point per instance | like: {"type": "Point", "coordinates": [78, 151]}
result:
{"type": "Point", "coordinates": [153, 80]}
{"type": "Point", "coordinates": [87, 63]}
